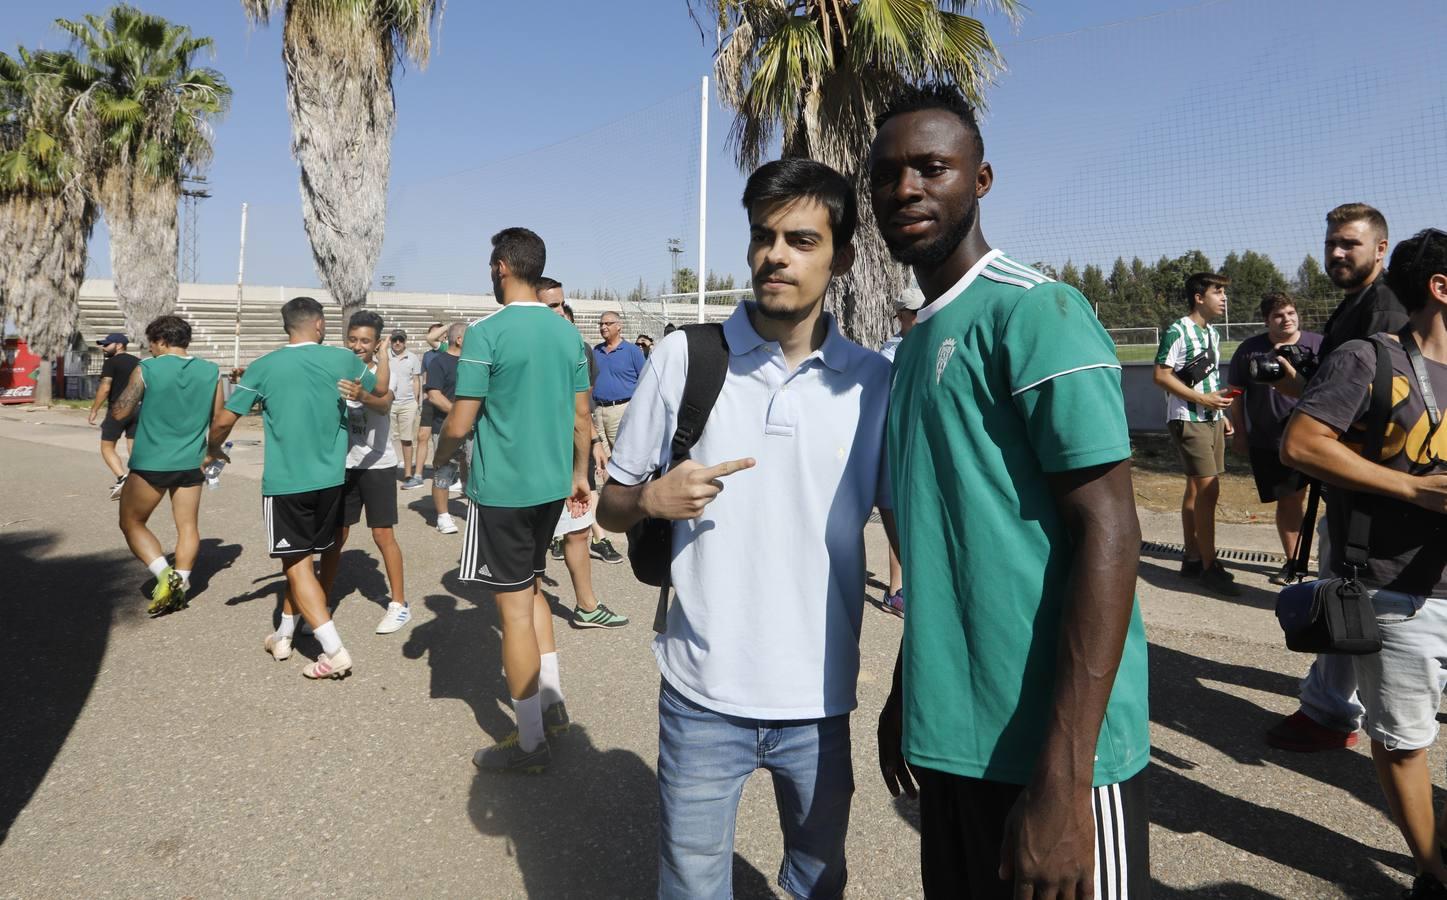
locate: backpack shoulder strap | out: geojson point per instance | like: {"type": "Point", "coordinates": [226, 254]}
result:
{"type": "Point", "coordinates": [1359, 524]}
{"type": "Point", "coordinates": [708, 364]}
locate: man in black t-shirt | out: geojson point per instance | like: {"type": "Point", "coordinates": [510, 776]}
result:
{"type": "Point", "coordinates": [1261, 418]}
{"type": "Point", "coordinates": [115, 374]}
{"type": "Point", "coordinates": [1405, 492]}
{"type": "Point", "coordinates": [441, 391]}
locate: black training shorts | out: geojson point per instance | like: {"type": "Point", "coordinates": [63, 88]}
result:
{"type": "Point", "coordinates": [111, 430]}
{"type": "Point", "coordinates": [164, 481]}
{"type": "Point", "coordinates": [503, 547]}
{"type": "Point", "coordinates": [374, 489]}
{"type": "Point", "coordinates": [1274, 478]}
{"type": "Point", "coordinates": [302, 523]}
{"type": "Point", "coordinates": [962, 827]}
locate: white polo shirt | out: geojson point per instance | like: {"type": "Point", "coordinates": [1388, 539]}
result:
{"type": "Point", "coordinates": [769, 580]}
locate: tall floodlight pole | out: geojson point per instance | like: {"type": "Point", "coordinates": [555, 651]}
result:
{"type": "Point", "coordinates": [240, 277]}
{"type": "Point", "coordinates": [702, 190]}
{"type": "Point", "coordinates": [675, 247]}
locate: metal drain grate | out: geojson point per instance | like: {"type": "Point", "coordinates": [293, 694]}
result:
{"type": "Point", "coordinates": [1254, 556]}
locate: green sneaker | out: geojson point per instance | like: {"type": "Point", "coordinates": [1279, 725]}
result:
{"type": "Point", "coordinates": [169, 594]}
{"type": "Point", "coordinates": [601, 617]}
{"type": "Point", "coordinates": [511, 757]}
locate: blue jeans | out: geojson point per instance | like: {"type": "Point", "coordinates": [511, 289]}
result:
{"type": "Point", "coordinates": [704, 758]}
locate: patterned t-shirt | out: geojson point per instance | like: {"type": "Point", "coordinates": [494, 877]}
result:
{"type": "Point", "coordinates": [1181, 343]}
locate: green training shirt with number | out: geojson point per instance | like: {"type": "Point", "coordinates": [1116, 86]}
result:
{"type": "Point", "coordinates": [526, 363]}
{"type": "Point", "coordinates": [303, 414]}
{"type": "Point", "coordinates": [1183, 341]}
{"type": "Point", "coordinates": [176, 415]}
{"type": "Point", "coordinates": [1005, 378]}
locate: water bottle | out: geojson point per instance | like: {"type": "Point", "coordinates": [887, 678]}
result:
{"type": "Point", "coordinates": [213, 471]}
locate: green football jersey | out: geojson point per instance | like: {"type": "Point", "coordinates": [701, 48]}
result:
{"type": "Point", "coordinates": [1005, 377]}
{"type": "Point", "coordinates": [303, 414]}
{"type": "Point", "coordinates": [527, 363]}
{"type": "Point", "coordinates": [1183, 341]}
{"type": "Point", "coordinates": [176, 415]}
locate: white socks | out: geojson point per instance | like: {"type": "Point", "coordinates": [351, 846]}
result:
{"type": "Point", "coordinates": [530, 721]}
{"type": "Point", "coordinates": [550, 685]}
{"type": "Point", "coordinates": [185, 576]}
{"type": "Point", "coordinates": [330, 640]}
{"type": "Point", "coordinates": [288, 626]}
{"type": "Point", "coordinates": [157, 566]}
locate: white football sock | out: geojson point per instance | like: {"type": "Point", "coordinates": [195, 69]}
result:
{"type": "Point", "coordinates": [157, 566]}
{"type": "Point", "coordinates": [550, 684]}
{"type": "Point", "coordinates": [288, 626]}
{"type": "Point", "coordinates": [330, 640]}
{"type": "Point", "coordinates": [185, 576]}
{"type": "Point", "coordinates": [530, 721]}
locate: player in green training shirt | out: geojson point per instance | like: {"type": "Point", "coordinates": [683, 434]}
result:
{"type": "Point", "coordinates": [305, 421]}
{"type": "Point", "coordinates": [522, 387]}
{"type": "Point", "coordinates": [181, 393]}
{"type": "Point", "coordinates": [1020, 696]}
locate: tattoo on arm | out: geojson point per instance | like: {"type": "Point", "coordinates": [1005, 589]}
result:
{"type": "Point", "coordinates": [124, 406]}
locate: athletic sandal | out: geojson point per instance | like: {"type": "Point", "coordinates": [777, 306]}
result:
{"type": "Point", "coordinates": [278, 646]}
{"type": "Point", "coordinates": [504, 757]}
{"type": "Point", "coordinates": [398, 614]}
{"type": "Point", "coordinates": [1301, 733]}
{"type": "Point", "coordinates": [600, 617]}
{"type": "Point", "coordinates": [338, 666]}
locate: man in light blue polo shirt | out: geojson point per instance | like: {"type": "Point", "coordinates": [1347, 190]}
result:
{"type": "Point", "coordinates": [761, 651]}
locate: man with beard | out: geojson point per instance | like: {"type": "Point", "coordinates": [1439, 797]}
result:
{"type": "Point", "coordinates": [1019, 699]}
{"type": "Point", "coordinates": [1356, 248]}
{"type": "Point", "coordinates": [115, 374]}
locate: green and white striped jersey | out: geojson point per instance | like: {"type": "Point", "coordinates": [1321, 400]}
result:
{"type": "Point", "coordinates": [1183, 341]}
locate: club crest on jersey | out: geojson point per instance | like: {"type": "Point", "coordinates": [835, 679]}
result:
{"type": "Point", "coordinates": [947, 349]}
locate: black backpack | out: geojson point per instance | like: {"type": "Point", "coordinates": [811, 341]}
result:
{"type": "Point", "coordinates": [650, 541]}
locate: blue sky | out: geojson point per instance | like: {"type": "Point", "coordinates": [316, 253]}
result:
{"type": "Point", "coordinates": [1221, 125]}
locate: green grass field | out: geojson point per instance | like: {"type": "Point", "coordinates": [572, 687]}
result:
{"type": "Point", "coordinates": [1147, 352]}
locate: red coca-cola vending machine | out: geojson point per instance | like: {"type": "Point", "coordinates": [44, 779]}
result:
{"type": "Point", "coordinates": [19, 370]}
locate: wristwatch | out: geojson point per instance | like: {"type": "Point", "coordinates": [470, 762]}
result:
{"type": "Point", "coordinates": [597, 439]}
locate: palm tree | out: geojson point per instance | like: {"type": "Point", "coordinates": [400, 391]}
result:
{"type": "Point", "coordinates": [45, 214]}
{"type": "Point", "coordinates": [339, 57]}
{"type": "Point", "coordinates": [144, 116]}
{"type": "Point", "coordinates": [814, 73]}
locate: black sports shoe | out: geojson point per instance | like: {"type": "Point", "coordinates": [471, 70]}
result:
{"type": "Point", "coordinates": [1217, 581]}
{"type": "Point", "coordinates": [1425, 887]}
{"type": "Point", "coordinates": [1190, 568]}
{"type": "Point", "coordinates": [604, 550]}
{"type": "Point", "coordinates": [509, 756]}
{"type": "Point", "coordinates": [556, 548]}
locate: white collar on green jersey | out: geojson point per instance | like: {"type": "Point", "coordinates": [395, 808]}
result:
{"type": "Point", "coordinates": [959, 287]}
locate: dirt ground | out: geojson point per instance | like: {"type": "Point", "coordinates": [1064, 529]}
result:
{"type": "Point", "coordinates": [1159, 483]}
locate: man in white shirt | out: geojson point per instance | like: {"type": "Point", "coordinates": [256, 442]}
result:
{"type": "Point", "coordinates": [407, 371]}
{"type": "Point", "coordinates": [761, 651]}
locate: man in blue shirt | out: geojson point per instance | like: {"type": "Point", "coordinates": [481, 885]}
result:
{"type": "Point", "coordinates": [619, 365]}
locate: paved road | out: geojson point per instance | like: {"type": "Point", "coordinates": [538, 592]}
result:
{"type": "Point", "coordinates": [172, 757]}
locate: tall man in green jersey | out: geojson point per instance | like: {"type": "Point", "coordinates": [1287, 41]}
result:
{"type": "Point", "coordinates": [522, 387]}
{"type": "Point", "coordinates": [1019, 701]}
{"type": "Point", "coordinates": [305, 421]}
{"type": "Point", "coordinates": [181, 393]}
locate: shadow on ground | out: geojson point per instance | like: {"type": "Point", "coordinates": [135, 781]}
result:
{"type": "Point", "coordinates": [49, 664]}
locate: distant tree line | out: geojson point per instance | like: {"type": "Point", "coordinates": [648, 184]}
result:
{"type": "Point", "coordinates": [1137, 295]}
{"type": "Point", "coordinates": [685, 281]}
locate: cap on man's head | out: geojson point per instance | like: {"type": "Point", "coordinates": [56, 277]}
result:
{"type": "Point", "coordinates": [115, 337]}
{"type": "Point", "coordinates": [912, 299]}
{"type": "Point", "coordinates": [399, 335]}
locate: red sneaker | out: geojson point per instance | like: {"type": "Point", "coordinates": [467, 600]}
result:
{"type": "Point", "coordinates": [1299, 733]}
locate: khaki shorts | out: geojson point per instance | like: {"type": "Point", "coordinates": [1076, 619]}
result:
{"type": "Point", "coordinates": [404, 420]}
{"type": "Point", "coordinates": [1202, 446]}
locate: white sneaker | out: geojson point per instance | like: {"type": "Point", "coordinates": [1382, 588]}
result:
{"type": "Point", "coordinates": [446, 525]}
{"type": "Point", "coordinates": [455, 489]}
{"type": "Point", "coordinates": [279, 647]}
{"type": "Point", "coordinates": [398, 614]}
{"type": "Point", "coordinates": [116, 488]}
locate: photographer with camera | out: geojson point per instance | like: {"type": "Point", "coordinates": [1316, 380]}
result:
{"type": "Point", "coordinates": [1259, 420]}
{"type": "Point", "coordinates": [1404, 492]}
{"type": "Point", "coordinates": [1188, 369]}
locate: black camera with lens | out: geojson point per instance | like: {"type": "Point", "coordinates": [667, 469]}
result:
{"type": "Point", "coordinates": [1266, 367]}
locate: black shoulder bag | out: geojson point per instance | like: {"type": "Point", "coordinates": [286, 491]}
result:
{"type": "Point", "coordinates": [1335, 615]}
{"type": "Point", "coordinates": [650, 541]}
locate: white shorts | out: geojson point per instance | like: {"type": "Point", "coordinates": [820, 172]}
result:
{"type": "Point", "coordinates": [1401, 687]}
{"type": "Point", "coordinates": [567, 524]}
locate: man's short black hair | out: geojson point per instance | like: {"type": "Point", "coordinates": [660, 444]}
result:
{"type": "Point", "coordinates": [523, 251]}
{"type": "Point", "coordinates": [548, 284]}
{"type": "Point", "coordinates": [298, 311]}
{"type": "Point", "coordinates": [795, 178]}
{"type": "Point", "coordinates": [568, 311]}
{"type": "Point", "coordinates": [365, 318]}
{"type": "Point", "coordinates": [1200, 283]}
{"type": "Point", "coordinates": [173, 331]}
{"type": "Point", "coordinates": [933, 95]}
{"type": "Point", "coordinates": [1414, 262]}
